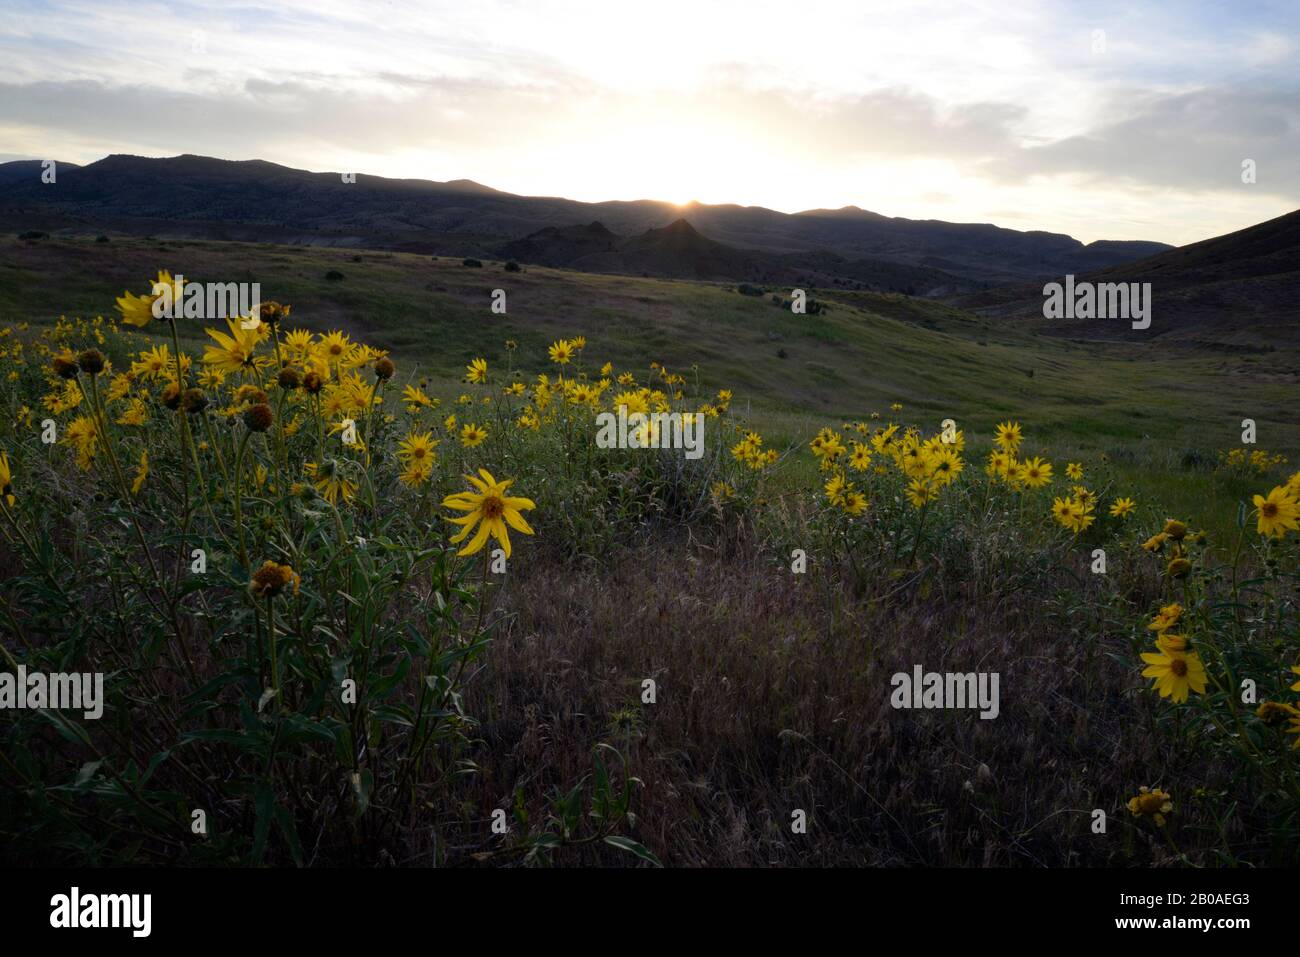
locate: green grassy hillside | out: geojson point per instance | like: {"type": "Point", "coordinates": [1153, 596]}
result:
{"type": "Point", "coordinates": [1159, 414]}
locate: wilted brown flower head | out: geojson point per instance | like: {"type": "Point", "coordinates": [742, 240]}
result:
{"type": "Point", "coordinates": [258, 417]}
{"type": "Point", "coordinates": [65, 365]}
{"type": "Point", "coordinates": [271, 579]}
{"type": "Point", "coordinates": [272, 312]}
{"type": "Point", "coordinates": [91, 361]}
{"type": "Point", "coordinates": [194, 401]}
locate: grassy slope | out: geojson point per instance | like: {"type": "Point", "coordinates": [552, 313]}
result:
{"type": "Point", "coordinates": [773, 689]}
{"type": "Point", "coordinates": [1143, 406]}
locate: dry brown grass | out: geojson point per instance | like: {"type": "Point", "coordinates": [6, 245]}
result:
{"type": "Point", "coordinates": [773, 694]}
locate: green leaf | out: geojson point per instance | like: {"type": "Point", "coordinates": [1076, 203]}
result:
{"type": "Point", "coordinates": [363, 784]}
{"type": "Point", "coordinates": [264, 802]}
{"type": "Point", "coordinates": [631, 846]}
{"type": "Point", "coordinates": [284, 821]}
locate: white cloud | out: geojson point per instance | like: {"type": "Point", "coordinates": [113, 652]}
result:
{"type": "Point", "coordinates": [953, 110]}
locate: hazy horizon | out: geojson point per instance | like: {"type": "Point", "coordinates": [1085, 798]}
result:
{"type": "Point", "coordinates": [1095, 120]}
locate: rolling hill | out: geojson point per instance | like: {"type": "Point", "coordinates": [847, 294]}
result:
{"type": "Point", "coordinates": [200, 197]}
{"type": "Point", "coordinates": [679, 251]}
{"type": "Point", "coordinates": [1240, 290]}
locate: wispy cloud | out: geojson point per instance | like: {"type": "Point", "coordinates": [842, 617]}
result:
{"type": "Point", "coordinates": [1099, 119]}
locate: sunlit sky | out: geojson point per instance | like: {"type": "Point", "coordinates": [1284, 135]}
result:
{"type": "Point", "coordinates": [1102, 120]}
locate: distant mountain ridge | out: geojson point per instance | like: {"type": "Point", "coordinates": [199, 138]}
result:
{"type": "Point", "coordinates": [202, 197]}
{"type": "Point", "coordinates": [20, 171]}
{"type": "Point", "coordinates": [1243, 287]}
{"type": "Point", "coordinates": [679, 251]}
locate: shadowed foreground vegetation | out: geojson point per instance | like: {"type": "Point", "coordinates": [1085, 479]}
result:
{"type": "Point", "coordinates": [345, 677]}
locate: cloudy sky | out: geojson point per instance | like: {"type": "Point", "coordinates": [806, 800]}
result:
{"type": "Point", "coordinates": [1103, 120]}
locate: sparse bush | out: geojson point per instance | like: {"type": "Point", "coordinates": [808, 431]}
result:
{"type": "Point", "coordinates": [472, 263]}
{"type": "Point", "coordinates": [334, 275]}
{"type": "Point", "coordinates": [1198, 459]}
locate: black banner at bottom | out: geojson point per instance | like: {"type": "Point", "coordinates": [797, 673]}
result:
{"type": "Point", "coordinates": [343, 906]}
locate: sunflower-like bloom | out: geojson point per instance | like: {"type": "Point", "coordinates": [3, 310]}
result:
{"type": "Point", "coordinates": [633, 402]}
{"type": "Point", "coordinates": [1122, 508]}
{"type": "Point", "coordinates": [136, 413]}
{"type": "Point", "coordinates": [1295, 727]}
{"type": "Point", "coordinates": [298, 342]}
{"type": "Point", "coordinates": [945, 465]}
{"type": "Point", "coordinates": [330, 481]}
{"type": "Point", "coordinates": [234, 352]}
{"type": "Point", "coordinates": [561, 352]}
{"type": "Point", "coordinates": [1008, 436]}
{"type": "Point", "coordinates": [490, 509]}
{"type": "Point", "coordinates": [472, 435]}
{"type": "Point", "coordinates": [1175, 529]}
{"type": "Point", "coordinates": [416, 473]}
{"type": "Point", "coordinates": [1167, 618]}
{"type": "Point", "coordinates": [836, 489]}
{"type": "Point", "coordinates": [157, 363]}
{"type": "Point", "coordinates": [1073, 513]}
{"type": "Point", "coordinates": [477, 370]}
{"type": "Point", "coordinates": [335, 346]}
{"type": "Point", "coordinates": [1169, 643]}
{"type": "Point", "coordinates": [1153, 803]}
{"type": "Point", "coordinates": [82, 436]}
{"type": "Point", "coordinates": [141, 473]}
{"type": "Point", "coordinates": [415, 398]}
{"type": "Point", "coordinates": [6, 479]}
{"type": "Point", "coordinates": [138, 310]}
{"type": "Point", "coordinates": [1035, 473]}
{"type": "Point", "coordinates": [854, 503]}
{"type": "Point", "coordinates": [1274, 713]}
{"type": "Point", "coordinates": [417, 449]}
{"type": "Point", "coordinates": [1175, 673]}
{"type": "Point", "coordinates": [1278, 512]}
{"type": "Point", "coordinates": [271, 579]}
{"type": "Point", "coordinates": [921, 493]}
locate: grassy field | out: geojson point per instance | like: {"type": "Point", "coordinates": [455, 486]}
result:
{"type": "Point", "coordinates": [1159, 414]}
{"type": "Point", "coordinates": [519, 695]}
